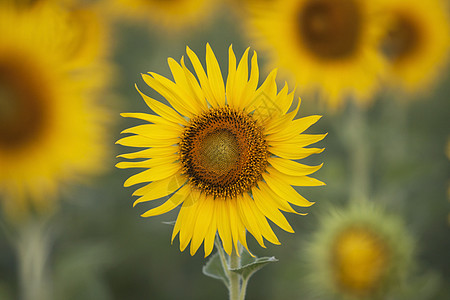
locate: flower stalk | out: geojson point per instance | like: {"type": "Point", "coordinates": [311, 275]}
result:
{"type": "Point", "coordinates": [234, 270]}
{"type": "Point", "coordinates": [33, 249]}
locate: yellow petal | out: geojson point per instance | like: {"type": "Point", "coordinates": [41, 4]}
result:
{"type": "Point", "coordinates": [203, 220]}
{"type": "Point", "coordinates": [285, 191]}
{"type": "Point", "coordinates": [266, 205]}
{"type": "Point", "coordinates": [276, 124]}
{"type": "Point", "coordinates": [171, 92]}
{"type": "Point", "coordinates": [301, 140]}
{"type": "Point", "coordinates": [153, 174]}
{"type": "Point", "coordinates": [215, 77]}
{"type": "Point", "coordinates": [268, 89]}
{"type": "Point", "coordinates": [151, 152]}
{"type": "Point", "coordinates": [240, 226]}
{"type": "Point", "coordinates": [293, 129]}
{"type": "Point", "coordinates": [190, 206]}
{"type": "Point", "coordinates": [293, 152]}
{"type": "Point", "coordinates": [240, 81]}
{"type": "Point", "coordinates": [170, 204]}
{"type": "Point", "coordinates": [223, 224]}
{"type": "Point", "coordinates": [249, 89]}
{"type": "Point", "coordinates": [142, 141]}
{"type": "Point", "coordinates": [248, 219]}
{"type": "Point", "coordinates": [282, 203]}
{"type": "Point", "coordinates": [194, 98]}
{"type": "Point", "coordinates": [162, 109]}
{"type": "Point", "coordinates": [292, 168]}
{"type": "Point", "coordinates": [204, 82]}
{"type": "Point", "coordinates": [231, 77]}
{"type": "Point", "coordinates": [210, 234]}
{"type": "Point", "coordinates": [294, 180]}
{"type": "Point", "coordinates": [234, 226]}
{"type": "Point", "coordinates": [159, 189]}
{"type": "Point", "coordinates": [155, 131]}
{"type": "Point", "coordinates": [149, 118]}
{"type": "Point", "coordinates": [259, 220]}
{"type": "Point", "coordinates": [195, 88]}
{"type": "Point", "coordinates": [148, 163]}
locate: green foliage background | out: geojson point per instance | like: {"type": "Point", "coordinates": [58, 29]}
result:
{"type": "Point", "coordinates": [103, 250]}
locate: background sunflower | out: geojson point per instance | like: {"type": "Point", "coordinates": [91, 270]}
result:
{"type": "Point", "coordinates": [51, 122]}
{"type": "Point", "coordinates": [105, 251]}
{"type": "Point", "coordinates": [325, 46]}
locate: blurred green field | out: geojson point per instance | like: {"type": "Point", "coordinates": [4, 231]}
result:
{"type": "Point", "coordinates": [102, 249]}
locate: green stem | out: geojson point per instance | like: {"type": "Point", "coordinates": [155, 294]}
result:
{"type": "Point", "coordinates": [244, 289]}
{"type": "Point", "coordinates": [33, 247]}
{"type": "Point", "coordinates": [229, 263]}
{"type": "Point", "coordinates": [359, 143]}
{"type": "Point", "coordinates": [235, 280]}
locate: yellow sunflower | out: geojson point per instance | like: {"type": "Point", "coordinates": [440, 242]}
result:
{"type": "Point", "coordinates": [359, 252]}
{"type": "Point", "coordinates": [49, 124]}
{"type": "Point", "coordinates": [417, 41]}
{"type": "Point", "coordinates": [327, 45]}
{"type": "Point", "coordinates": [223, 152]}
{"type": "Point", "coordinates": [169, 14]}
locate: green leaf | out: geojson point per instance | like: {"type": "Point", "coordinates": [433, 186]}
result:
{"type": "Point", "coordinates": [250, 265]}
{"type": "Point", "coordinates": [213, 268]}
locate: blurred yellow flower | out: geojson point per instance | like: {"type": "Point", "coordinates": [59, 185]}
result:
{"type": "Point", "coordinates": [417, 42]}
{"type": "Point", "coordinates": [49, 124]}
{"type": "Point", "coordinates": [170, 14]}
{"type": "Point", "coordinates": [360, 259]}
{"type": "Point", "coordinates": [328, 45]}
{"type": "Point", "coordinates": [223, 151]}
{"type": "Point", "coordinates": [359, 252]}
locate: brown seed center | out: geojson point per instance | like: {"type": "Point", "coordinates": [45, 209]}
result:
{"type": "Point", "coordinates": [223, 152]}
{"type": "Point", "coordinates": [403, 40]}
{"type": "Point", "coordinates": [220, 152]}
{"type": "Point", "coordinates": [23, 101]}
{"type": "Point", "coordinates": [330, 29]}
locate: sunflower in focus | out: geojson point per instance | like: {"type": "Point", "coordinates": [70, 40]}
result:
{"type": "Point", "coordinates": [49, 123]}
{"type": "Point", "coordinates": [167, 14]}
{"type": "Point", "coordinates": [359, 252]}
{"type": "Point", "coordinates": [417, 41]}
{"type": "Point", "coordinates": [329, 46]}
{"type": "Point", "coordinates": [224, 152]}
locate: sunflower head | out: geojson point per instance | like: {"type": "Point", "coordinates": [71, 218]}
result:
{"type": "Point", "coordinates": [416, 42]}
{"type": "Point", "coordinates": [359, 252]}
{"type": "Point", "coordinates": [330, 29]}
{"type": "Point", "coordinates": [329, 46]}
{"type": "Point", "coordinates": [48, 81]}
{"type": "Point", "coordinates": [224, 152]}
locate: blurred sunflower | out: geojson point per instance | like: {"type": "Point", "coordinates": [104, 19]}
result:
{"type": "Point", "coordinates": [225, 152]}
{"type": "Point", "coordinates": [49, 124]}
{"type": "Point", "coordinates": [417, 41]}
{"type": "Point", "coordinates": [328, 45]}
{"type": "Point", "coordinates": [170, 14]}
{"type": "Point", "coordinates": [359, 252]}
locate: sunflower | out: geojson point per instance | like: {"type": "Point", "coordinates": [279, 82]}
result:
{"type": "Point", "coordinates": [359, 252]}
{"type": "Point", "coordinates": [169, 14]}
{"type": "Point", "coordinates": [49, 128]}
{"type": "Point", "coordinates": [417, 41]}
{"type": "Point", "coordinates": [223, 152]}
{"type": "Point", "coordinates": [327, 45]}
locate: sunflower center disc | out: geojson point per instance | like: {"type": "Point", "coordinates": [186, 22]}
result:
{"type": "Point", "coordinates": [223, 152]}
{"type": "Point", "coordinates": [360, 258]}
{"type": "Point", "coordinates": [402, 40]}
{"type": "Point", "coordinates": [220, 151]}
{"type": "Point", "coordinates": [22, 98]}
{"type": "Point", "coordinates": [330, 29]}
